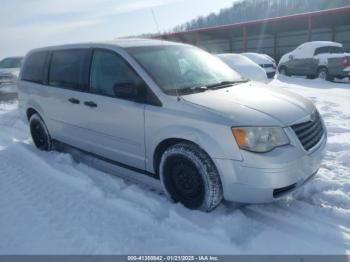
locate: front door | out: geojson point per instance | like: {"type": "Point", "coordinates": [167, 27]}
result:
{"type": "Point", "coordinates": [113, 127]}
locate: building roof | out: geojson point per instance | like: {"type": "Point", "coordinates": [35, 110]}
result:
{"type": "Point", "coordinates": [275, 21]}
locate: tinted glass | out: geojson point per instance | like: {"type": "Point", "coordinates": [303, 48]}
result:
{"type": "Point", "coordinates": [11, 62]}
{"type": "Point", "coordinates": [69, 69]}
{"type": "Point", "coordinates": [109, 71]}
{"type": "Point", "coordinates": [336, 50]}
{"type": "Point", "coordinates": [34, 67]}
{"type": "Point", "coordinates": [329, 50]}
{"type": "Point", "coordinates": [179, 68]}
{"type": "Point", "coordinates": [322, 50]}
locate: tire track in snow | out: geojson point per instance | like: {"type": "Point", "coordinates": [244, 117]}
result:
{"type": "Point", "coordinates": [19, 214]}
{"type": "Point", "coordinates": [301, 225]}
{"type": "Point", "coordinates": [59, 209]}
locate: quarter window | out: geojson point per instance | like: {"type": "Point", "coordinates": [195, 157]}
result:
{"type": "Point", "coordinates": [329, 50]}
{"type": "Point", "coordinates": [69, 69]}
{"type": "Point", "coordinates": [322, 50]}
{"type": "Point", "coordinates": [34, 67]}
{"type": "Point", "coordinates": [109, 72]}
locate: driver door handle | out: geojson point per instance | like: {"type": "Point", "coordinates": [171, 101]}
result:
{"type": "Point", "coordinates": [74, 101]}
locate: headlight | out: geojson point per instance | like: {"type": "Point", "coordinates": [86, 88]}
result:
{"type": "Point", "coordinates": [260, 139]}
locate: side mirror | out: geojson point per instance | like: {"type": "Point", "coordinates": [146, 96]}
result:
{"type": "Point", "coordinates": [129, 91]}
{"type": "Point", "coordinates": [291, 57]}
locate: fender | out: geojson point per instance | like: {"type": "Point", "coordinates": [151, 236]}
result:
{"type": "Point", "coordinates": [33, 104]}
{"type": "Point", "coordinates": [203, 139]}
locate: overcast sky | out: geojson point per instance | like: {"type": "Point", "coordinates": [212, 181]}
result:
{"type": "Point", "coordinates": [27, 24]}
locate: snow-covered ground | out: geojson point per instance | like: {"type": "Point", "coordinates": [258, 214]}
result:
{"type": "Point", "coordinates": [50, 204]}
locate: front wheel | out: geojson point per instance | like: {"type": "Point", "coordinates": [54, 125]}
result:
{"type": "Point", "coordinates": [39, 132]}
{"type": "Point", "coordinates": [284, 71]}
{"type": "Point", "coordinates": [189, 176]}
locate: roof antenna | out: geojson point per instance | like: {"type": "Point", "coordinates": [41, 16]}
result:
{"type": "Point", "coordinates": [155, 21]}
{"type": "Point", "coordinates": [161, 39]}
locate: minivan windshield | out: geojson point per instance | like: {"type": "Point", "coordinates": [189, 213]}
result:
{"type": "Point", "coordinates": [184, 69]}
{"type": "Point", "coordinates": [11, 63]}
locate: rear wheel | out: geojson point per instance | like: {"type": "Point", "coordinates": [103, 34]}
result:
{"type": "Point", "coordinates": [39, 132]}
{"type": "Point", "coordinates": [322, 73]}
{"type": "Point", "coordinates": [189, 176]}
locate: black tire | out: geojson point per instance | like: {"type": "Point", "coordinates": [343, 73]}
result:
{"type": "Point", "coordinates": [322, 73]}
{"type": "Point", "coordinates": [39, 132]}
{"type": "Point", "coordinates": [283, 70]}
{"type": "Point", "coordinates": [189, 176]}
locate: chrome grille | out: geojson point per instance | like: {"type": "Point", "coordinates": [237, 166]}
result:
{"type": "Point", "coordinates": [267, 65]}
{"type": "Point", "coordinates": [309, 133]}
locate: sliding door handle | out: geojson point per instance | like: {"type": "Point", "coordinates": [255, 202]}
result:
{"type": "Point", "coordinates": [90, 104]}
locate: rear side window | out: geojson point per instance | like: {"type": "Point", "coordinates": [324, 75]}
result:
{"type": "Point", "coordinates": [34, 67]}
{"type": "Point", "coordinates": [69, 69]}
{"type": "Point", "coordinates": [329, 50]}
{"type": "Point", "coordinates": [322, 50]}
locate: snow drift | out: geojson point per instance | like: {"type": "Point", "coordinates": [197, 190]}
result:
{"type": "Point", "coordinates": [50, 204]}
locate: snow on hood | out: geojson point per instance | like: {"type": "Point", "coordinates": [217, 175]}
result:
{"type": "Point", "coordinates": [255, 104]}
{"type": "Point", "coordinates": [284, 58]}
{"type": "Point", "coordinates": [258, 58]}
{"type": "Point", "coordinates": [244, 66]}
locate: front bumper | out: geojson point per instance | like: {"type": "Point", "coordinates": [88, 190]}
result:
{"type": "Point", "coordinates": [282, 171]}
{"type": "Point", "coordinates": [7, 83]}
{"type": "Point", "coordinates": [271, 74]}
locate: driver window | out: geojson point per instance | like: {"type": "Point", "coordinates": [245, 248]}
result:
{"type": "Point", "coordinates": [108, 71]}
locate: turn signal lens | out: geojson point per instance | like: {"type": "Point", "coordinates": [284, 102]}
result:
{"type": "Point", "coordinates": [240, 136]}
{"type": "Point", "coordinates": [345, 63]}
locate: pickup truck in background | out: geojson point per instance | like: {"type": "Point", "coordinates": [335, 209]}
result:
{"type": "Point", "coordinates": [321, 59]}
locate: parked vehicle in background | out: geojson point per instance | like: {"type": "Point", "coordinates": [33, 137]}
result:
{"type": "Point", "coordinates": [176, 113]}
{"type": "Point", "coordinates": [322, 59]}
{"type": "Point", "coordinates": [264, 61]}
{"type": "Point", "coordinates": [9, 70]}
{"type": "Point", "coordinates": [244, 66]}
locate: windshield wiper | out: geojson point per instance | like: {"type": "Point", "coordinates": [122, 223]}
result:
{"type": "Point", "coordinates": [191, 90]}
{"type": "Point", "coordinates": [224, 84]}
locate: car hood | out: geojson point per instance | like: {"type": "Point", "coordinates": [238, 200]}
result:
{"type": "Point", "coordinates": [254, 72]}
{"type": "Point", "coordinates": [259, 59]}
{"type": "Point", "coordinates": [6, 71]}
{"type": "Point", "coordinates": [255, 104]}
{"type": "Point", "coordinates": [284, 58]}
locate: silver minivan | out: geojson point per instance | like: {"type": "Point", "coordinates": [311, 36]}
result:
{"type": "Point", "coordinates": [176, 113]}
